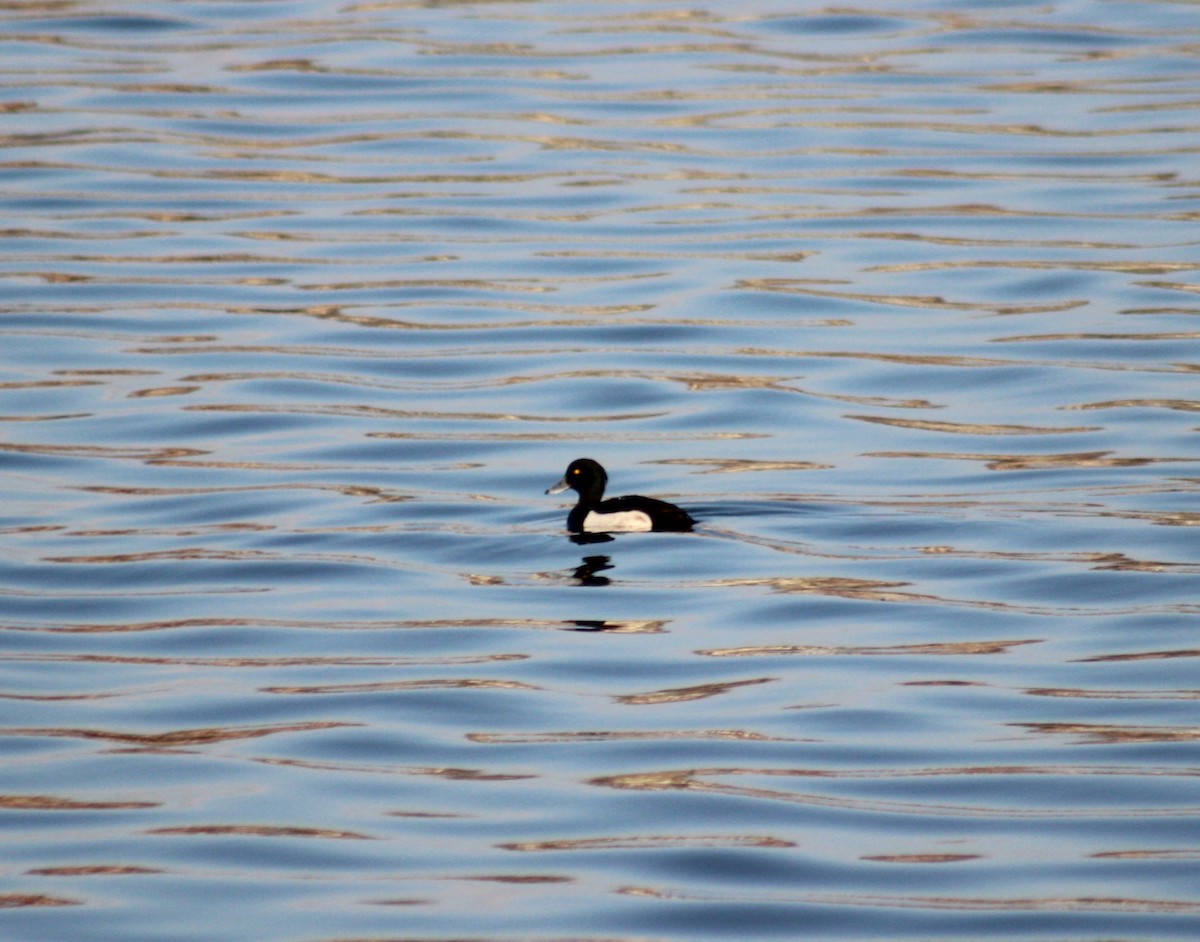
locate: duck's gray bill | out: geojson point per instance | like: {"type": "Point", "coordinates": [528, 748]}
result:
{"type": "Point", "coordinates": [559, 487]}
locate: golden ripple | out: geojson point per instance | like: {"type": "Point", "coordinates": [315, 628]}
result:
{"type": "Point", "coordinates": [1038, 338]}
{"type": "Point", "coordinates": [568, 436]}
{"type": "Point", "coordinates": [106, 870]}
{"type": "Point", "coordinates": [971, 428]}
{"type": "Point", "coordinates": [1182, 405]}
{"type": "Point", "coordinates": [54, 803]}
{"type": "Point", "coordinates": [1114, 562]}
{"type": "Point", "coordinates": [46, 418]}
{"type": "Point", "coordinates": [931, 649]}
{"type": "Point", "coordinates": [375, 495]}
{"type": "Point", "coordinates": [1077, 87]}
{"type": "Point", "coordinates": [203, 529]}
{"type": "Point", "coordinates": [262, 830]}
{"type": "Point", "coordinates": [16, 900]}
{"type": "Point", "coordinates": [683, 694]}
{"type": "Point", "coordinates": [976, 241]}
{"type": "Point", "coordinates": [1136, 268]}
{"type": "Point", "coordinates": [1047, 904]}
{"type": "Point", "coordinates": [547, 315]}
{"type": "Point", "coordinates": [1146, 311]}
{"type": "Point", "coordinates": [922, 858]}
{"type": "Point", "coordinates": [651, 842]}
{"type": "Point", "coordinates": [1170, 854]}
{"type": "Point", "coordinates": [1119, 562]}
{"type": "Point", "coordinates": [449, 660]}
{"type": "Point", "coordinates": [230, 258]}
{"type": "Point", "coordinates": [885, 592]}
{"type": "Point", "coordinates": [817, 585]}
{"type": "Point", "coordinates": [468, 683]}
{"type": "Point", "coordinates": [52, 698]}
{"type": "Point", "coordinates": [694, 382]}
{"type": "Point", "coordinates": [995, 462]}
{"type": "Point", "coordinates": [864, 589]}
{"type": "Point", "coordinates": [450, 773]}
{"type": "Point", "coordinates": [523, 879]}
{"type": "Point", "coordinates": [744, 255]}
{"type": "Point", "coordinates": [805, 287]}
{"type": "Point", "coordinates": [159, 391]}
{"type": "Point", "coordinates": [1081, 694]}
{"type": "Point", "coordinates": [705, 781]}
{"type": "Point", "coordinates": [308, 376]}
{"type": "Point", "coordinates": [1099, 733]}
{"type": "Point", "coordinates": [519, 286]}
{"type": "Point", "coordinates": [1179, 518]}
{"type": "Point", "coordinates": [35, 528]}
{"type": "Point", "coordinates": [483, 579]}
{"type": "Point", "coordinates": [280, 65]}
{"type": "Point", "coordinates": [179, 737]}
{"type": "Point", "coordinates": [350, 410]}
{"type": "Point", "coordinates": [1173, 286]}
{"type": "Point", "coordinates": [1142, 656]}
{"type": "Point", "coordinates": [434, 815]}
{"type": "Point", "coordinates": [102, 451]}
{"type": "Point", "coordinates": [957, 771]}
{"type": "Point", "coordinates": [739, 465]}
{"type": "Point", "coordinates": [573, 736]}
{"type": "Point", "coordinates": [906, 359]}
{"type": "Point", "coordinates": [60, 278]}
{"type": "Point", "coordinates": [702, 382]}
{"type": "Point", "coordinates": [48, 383]}
{"type": "Point", "coordinates": [193, 553]}
{"type": "Point", "coordinates": [285, 623]}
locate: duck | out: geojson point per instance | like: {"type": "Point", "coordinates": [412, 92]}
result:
{"type": "Point", "coordinates": [594, 514]}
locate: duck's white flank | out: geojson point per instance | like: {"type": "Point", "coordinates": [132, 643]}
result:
{"type": "Point", "coordinates": [623, 521]}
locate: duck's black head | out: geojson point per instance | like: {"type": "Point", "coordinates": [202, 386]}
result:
{"type": "Point", "coordinates": [584, 476]}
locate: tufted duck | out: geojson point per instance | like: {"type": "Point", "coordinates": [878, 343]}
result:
{"type": "Point", "coordinates": [594, 514]}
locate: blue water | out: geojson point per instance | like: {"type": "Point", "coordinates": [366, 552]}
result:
{"type": "Point", "coordinates": [302, 307]}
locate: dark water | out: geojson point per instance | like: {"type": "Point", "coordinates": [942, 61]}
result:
{"type": "Point", "coordinates": [303, 306]}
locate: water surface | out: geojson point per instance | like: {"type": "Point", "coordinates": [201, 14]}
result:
{"type": "Point", "coordinates": [303, 307]}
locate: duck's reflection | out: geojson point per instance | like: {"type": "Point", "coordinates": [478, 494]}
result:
{"type": "Point", "coordinates": [584, 538]}
{"type": "Point", "coordinates": [586, 625]}
{"type": "Point", "coordinates": [588, 572]}
{"type": "Point", "coordinates": [625, 627]}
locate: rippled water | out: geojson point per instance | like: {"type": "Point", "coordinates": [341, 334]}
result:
{"type": "Point", "coordinates": [304, 305]}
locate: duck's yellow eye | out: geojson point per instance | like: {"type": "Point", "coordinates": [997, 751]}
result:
{"type": "Point", "coordinates": [576, 471]}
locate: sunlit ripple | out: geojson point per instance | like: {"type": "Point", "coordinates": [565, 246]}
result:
{"type": "Point", "coordinates": [1081, 904]}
